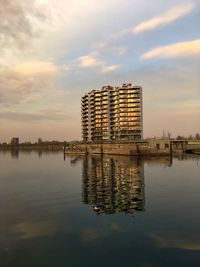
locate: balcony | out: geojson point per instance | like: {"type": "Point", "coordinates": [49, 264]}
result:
{"type": "Point", "coordinates": [129, 100]}
{"type": "Point", "coordinates": [97, 104]}
{"type": "Point", "coordinates": [124, 128]}
{"type": "Point", "coordinates": [84, 114]}
{"type": "Point", "coordinates": [84, 120]}
{"type": "Point", "coordinates": [130, 91]}
{"type": "Point", "coordinates": [97, 135]}
{"type": "Point", "coordinates": [85, 125]}
{"type": "Point", "coordinates": [84, 98]}
{"type": "Point", "coordinates": [83, 108]}
{"type": "Point", "coordinates": [113, 108]}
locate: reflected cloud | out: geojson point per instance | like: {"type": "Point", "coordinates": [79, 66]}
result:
{"type": "Point", "coordinates": [35, 229]}
{"type": "Point", "coordinates": [114, 226]}
{"type": "Point", "coordinates": [187, 242]}
{"type": "Point", "coordinates": [113, 184]}
{"type": "Point", "coordinates": [90, 235]}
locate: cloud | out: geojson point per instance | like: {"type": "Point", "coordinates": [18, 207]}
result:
{"type": "Point", "coordinates": [183, 49]}
{"type": "Point", "coordinates": [13, 83]}
{"type": "Point", "coordinates": [106, 47]}
{"type": "Point", "coordinates": [110, 68]}
{"type": "Point", "coordinates": [65, 67]}
{"type": "Point", "coordinates": [36, 68]}
{"type": "Point", "coordinates": [121, 50]}
{"type": "Point", "coordinates": [16, 22]}
{"type": "Point", "coordinates": [14, 88]}
{"type": "Point", "coordinates": [27, 117]}
{"type": "Point", "coordinates": [89, 61]}
{"type": "Point", "coordinates": [92, 60]}
{"type": "Point", "coordinates": [31, 86]}
{"type": "Point", "coordinates": [165, 18]}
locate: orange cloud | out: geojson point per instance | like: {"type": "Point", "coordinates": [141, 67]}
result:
{"type": "Point", "coordinates": [182, 49]}
{"type": "Point", "coordinates": [110, 68]}
{"type": "Point", "coordinates": [36, 68]}
{"type": "Point", "coordinates": [89, 61]}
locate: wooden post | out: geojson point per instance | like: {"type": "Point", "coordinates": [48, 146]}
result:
{"type": "Point", "coordinates": [64, 151]}
{"type": "Point", "coordinates": [170, 150]}
{"type": "Point", "coordinates": [137, 150]}
{"type": "Point", "coordinates": [101, 149]}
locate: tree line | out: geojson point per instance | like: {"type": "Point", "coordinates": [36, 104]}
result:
{"type": "Point", "coordinates": [190, 137]}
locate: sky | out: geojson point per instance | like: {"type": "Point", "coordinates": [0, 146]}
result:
{"type": "Point", "coordinates": [54, 51]}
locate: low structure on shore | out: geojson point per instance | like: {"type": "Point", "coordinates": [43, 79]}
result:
{"type": "Point", "coordinates": [153, 147]}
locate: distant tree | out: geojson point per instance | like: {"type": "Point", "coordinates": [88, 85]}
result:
{"type": "Point", "coordinates": [39, 140]}
{"type": "Point", "coordinates": [179, 137]}
{"type": "Point", "coordinates": [169, 135]}
{"type": "Point", "coordinates": [190, 137]}
{"type": "Point", "coordinates": [197, 136]}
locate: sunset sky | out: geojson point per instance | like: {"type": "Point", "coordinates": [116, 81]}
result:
{"type": "Point", "coordinates": [53, 51]}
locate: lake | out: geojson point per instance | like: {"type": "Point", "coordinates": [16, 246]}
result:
{"type": "Point", "coordinates": [148, 210]}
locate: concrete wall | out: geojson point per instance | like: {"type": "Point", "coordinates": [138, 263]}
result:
{"type": "Point", "coordinates": [154, 147]}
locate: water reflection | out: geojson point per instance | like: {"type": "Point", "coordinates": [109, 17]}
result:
{"type": "Point", "coordinates": [113, 184]}
{"type": "Point", "coordinates": [14, 151]}
{"type": "Point", "coordinates": [42, 212]}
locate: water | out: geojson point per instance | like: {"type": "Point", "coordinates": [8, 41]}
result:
{"type": "Point", "coordinates": [149, 211]}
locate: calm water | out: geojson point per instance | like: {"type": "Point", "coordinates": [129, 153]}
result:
{"type": "Point", "coordinates": [149, 211]}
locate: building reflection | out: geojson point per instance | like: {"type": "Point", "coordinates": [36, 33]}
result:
{"type": "Point", "coordinates": [14, 151]}
{"type": "Point", "coordinates": [115, 184]}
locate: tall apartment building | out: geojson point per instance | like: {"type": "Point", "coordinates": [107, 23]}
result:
{"type": "Point", "coordinates": [112, 113]}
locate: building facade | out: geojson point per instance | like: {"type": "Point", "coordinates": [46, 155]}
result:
{"type": "Point", "coordinates": [112, 113]}
{"type": "Point", "coordinates": [15, 141]}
